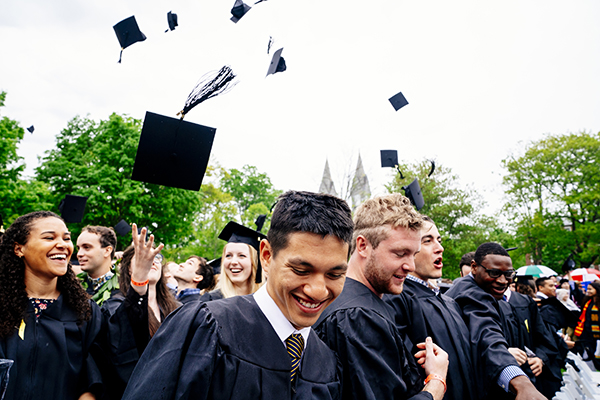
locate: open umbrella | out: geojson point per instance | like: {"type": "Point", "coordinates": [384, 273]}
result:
{"type": "Point", "coordinates": [585, 274]}
{"type": "Point", "coordinates": [536, 271]}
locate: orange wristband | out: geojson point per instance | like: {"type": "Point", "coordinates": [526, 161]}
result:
{"type": "Point", "coordinates": [436, 376]}
{"type": "Point", "coordinates": [134, 283]}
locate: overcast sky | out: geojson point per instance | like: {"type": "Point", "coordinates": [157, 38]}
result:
{"type": "Point", "coordinates": [482, 79]}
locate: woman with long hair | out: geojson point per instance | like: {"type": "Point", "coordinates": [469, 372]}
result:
{"type": "Point", "coordinates": [47, 323]}
{"type": "Point", "coordinates": [135, 315]}
{"type": "Point", "coordinates": [240, 267]}
{"type": "Point", "coordinates": [587, 331]}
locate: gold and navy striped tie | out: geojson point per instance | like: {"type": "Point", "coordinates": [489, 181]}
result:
{"type": "Point", "coordinates": [295, 345]}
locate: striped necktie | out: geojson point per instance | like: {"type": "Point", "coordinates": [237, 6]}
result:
{"type": "Point", "coordinates": [295, 345]}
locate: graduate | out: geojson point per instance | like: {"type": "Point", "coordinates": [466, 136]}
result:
{"type": "Point", "coordinates": [260, 346]}
{"type": "Point", "coordinates": [47, 322]}
{"type": "Point", "coordinates": [495, 333]}
{"type": "Point", "coordinates": [437, 315]}
{"type": "Point", "coordinates": [360, 326]}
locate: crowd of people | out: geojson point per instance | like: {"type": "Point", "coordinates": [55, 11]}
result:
{"type": "Point", "coordinates": [325, 306]}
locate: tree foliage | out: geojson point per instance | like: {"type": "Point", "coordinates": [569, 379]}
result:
{"type": "Point", "coordinates": [95, 159]}
{"type": "Point", "coordinates": [455, 211]}
{"type": "Point", "coordinates": [18, 196]}
{"type": "Point", "coordinates": [553, 192]}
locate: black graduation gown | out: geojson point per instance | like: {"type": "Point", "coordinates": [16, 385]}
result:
{"type": "Point", "coordinates": [227, 349]}
{"type": "Point", "coordinates": [53, 359]}
{"type": "Point", "coordinates": [441, 318]}
{"type": "Point", "coordinates": [210, 296]}
{"type": "Point", "coordinates": [189, 298]}
{"type": "Point", "coordinates": [492, 331]}
{"type": "Point", "coordinates": [360, 327]}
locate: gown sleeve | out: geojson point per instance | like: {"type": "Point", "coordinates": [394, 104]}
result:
{"type": "Point", "coordinates": [375, 362]}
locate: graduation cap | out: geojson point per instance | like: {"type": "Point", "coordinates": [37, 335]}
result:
{"type": "Point", "coordinates": [72, 208]}
{"type": "Point", "coordinates": [173, 152]}
{"type": "Point", "coordinates": [1, 226]}
{"type": "Point", "coordinates": [239, 10]}
{"type": "Point", "coordinates": [524, 279]}
{"type": "Point", "coordinates": [128, 32]}
{"type": "Point", "coordinates": [236, 233]}
{"type": "Point", "coordinates": [511, 248]}
{"type": "Point", "coordinates": [413, 192]}
{"type": "Point", "coordinates": [122, 228]}
{"type": "Point", "coordinates": [398, 101]}
{"type": "Point", "coordinates": [277, 63]}
{"type": "Point", "coordinates": [260, 221]}
{"type": "Point", "coordinates": [216, 265]}
{"type": "Point", "coordinates": [30, 129]}
{"type": "Point", "coordinates": [569, 264]}
{"type": "Point", "coordinates": [172, 20]}
{"type": "Point", "coordinates": [389, 158]}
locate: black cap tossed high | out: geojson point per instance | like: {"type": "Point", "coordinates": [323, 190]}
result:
{"type": "Point", "coordinates": [389, 158]}
{"type": "Point", "coordinates": [277, 63]}
{"type": "Point", "coordinates": [239, 10]}
{"type": "Point", "coordinates": [216, 265]}
{"type": "Point", "coordinates": [128, 32]}
{"type": "Point", "coordinates": [30, 129]}
{"type": "Point", "coordinates": [398, 101]}
{"type": "Point", "coordinates": [72, 208]}
{"type": "Point", "coordinates": [172, 20]}
{"type": "Point", "coordinates": [122, 228]}
{"type": "Point", "coordinates": [236, 233]}
{"type": "Point", "coordinates": [413, 192]}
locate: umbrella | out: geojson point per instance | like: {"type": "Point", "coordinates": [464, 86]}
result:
{"type": "Point", "coordinates": [536, 271]}
{"type": "Point", "coordinates": [585, 274]}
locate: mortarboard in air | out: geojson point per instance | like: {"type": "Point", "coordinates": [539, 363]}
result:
{"type": "Point", "coordinates": [72, 208]}
{"type": "Point", "coordinates": [239, 10]}
{"type": "Point", "coordinates": [182, 149]}
{"type": "Point", "coordinates": [413, 192]}
{"type": "Point", "coordinates": [216, 265]}
{"type": "Point", "coordinates": [122, 228]}
{"type": "Point", "coordinates": [569, 264]}
{"type": "Point", "coordinates": [260, 222]}
{"type": "Point", "coordinates": [398, 101]}
{"type": "Point", "coordinates": [236, 233]}
{"type": "Point", "coordinates": [128, 32]}
{"type": "Point", "coordinates": [277, 63]}
{"type": "Point", "coordinates": [389, 158]}
{"type": "Point", "coordinates": [30, 129]}
{"type": "Point", "coordinates": [172, 20]}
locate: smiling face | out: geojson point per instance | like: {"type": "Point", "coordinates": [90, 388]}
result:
{"type": "Point", "coordinates": [92, 257]}
{"type": "Point", "coordinates": [548, 288]}
{"type": "Point", "coordinates": [186, 272]}
{"type": "Point", "coordinates": [388, 264]}
{"type": "Point", "coordinates": [237, 263]}
{"type": "Point", "coordinates": [591, 291]}
{"type": "Point", "coordinates": [495, 287]}
{"type": "Point", "coordinates": [306, 275]}
{"type": "Point", "coordinates": [48, 249]}
{"type": "Point", "coordinates": [428, 261]}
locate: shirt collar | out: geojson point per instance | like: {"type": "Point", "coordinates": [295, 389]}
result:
{"type": "Point", "coordinates": [278, 321]}
{"type": "Point", "coordinates": [413, 278]}
{"type": "Point", "coordinates": [508, 293]}
{"type": "Point", "coordinates": [188, 292]}
{"type": "Point", "coordinates": [96, 283]}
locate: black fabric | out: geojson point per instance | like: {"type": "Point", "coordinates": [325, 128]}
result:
{"type": "Point", "coordinates": [360, 328]}
{"type": "Point", "coordinates": [491, 333]}
{"type": "Point", "coordinates": [190, 298]}
{"type": "Point", "coordinates": [440, 318]}
{"type": "Point", "coordinates": [210, 296]}
{"type": "Point", "coordinates": [53, 359]}
{"type": "Point", "coordinates": [227, 349]}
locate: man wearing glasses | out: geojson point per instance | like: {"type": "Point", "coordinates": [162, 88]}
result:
{"type": "Point", "coordinates": [493, 327]}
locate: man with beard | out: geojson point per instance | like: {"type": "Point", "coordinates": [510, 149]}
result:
{"type": "Point", "coordinates": [495, 332]}
{"type": "Point", "coordinates": [360, 326]}
{"type": "Point", "coordinates": [437, 315]}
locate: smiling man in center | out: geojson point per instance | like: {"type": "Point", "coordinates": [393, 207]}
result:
{"type": "Point", "coordinates": [260, 346]}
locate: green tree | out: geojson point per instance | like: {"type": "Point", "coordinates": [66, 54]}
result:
{"type": "Point", "coordinates": [18, 196]}
{"type": "Point", "coordinates": [553, 192]}
{"type": "Point", "coordinates": [95, 159]}
{"type": "Point", "coordinates": [249, 187]}
{"type": "Point", "coordinates": [455, 210]}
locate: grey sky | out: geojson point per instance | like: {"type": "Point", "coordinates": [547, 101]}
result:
{"type": "Point", "coordinates": [482, 78]}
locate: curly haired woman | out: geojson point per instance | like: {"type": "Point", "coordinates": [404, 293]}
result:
{"type": "Point", "coordinates": [47, 322]}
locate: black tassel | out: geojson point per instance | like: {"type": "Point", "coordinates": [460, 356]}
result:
{"type": "Point", "coordinates": [120, 55]}
{"type": "Point", "coordinates": [432, 168]}
{"type": "Point", "coordinates": [208, 87]}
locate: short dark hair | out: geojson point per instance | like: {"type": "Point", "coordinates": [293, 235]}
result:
{"type": "Point", "coordinates": [541, 281]}
{"type": "Point", "coordinates": [466, 259]}
{"type": "Point", "coordinates": [206, 271]}
{"type": "Point", "coordinates": [309, 212]}
{"type": "Point", "coordinates": [106, 235]}
{"type": "Point", "coordinates": [489, 248]}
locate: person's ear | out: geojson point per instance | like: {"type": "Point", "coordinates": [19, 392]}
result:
{"type": "Point", "coordinates": [19, 250]}
{"type": "Point", "coordinates": [198, 278]}
{"type": "Point", "coordinates": [108, 251]}
{"type": "Point", "coordinates": [266, 255]}
{"type": "Point", "coordinates": [363, 247]}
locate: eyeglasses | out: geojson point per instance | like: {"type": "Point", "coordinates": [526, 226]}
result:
{"type": "Point", "coordinates": [495, 273]}
{"type": "Point", "coordinates": [158, 258]}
